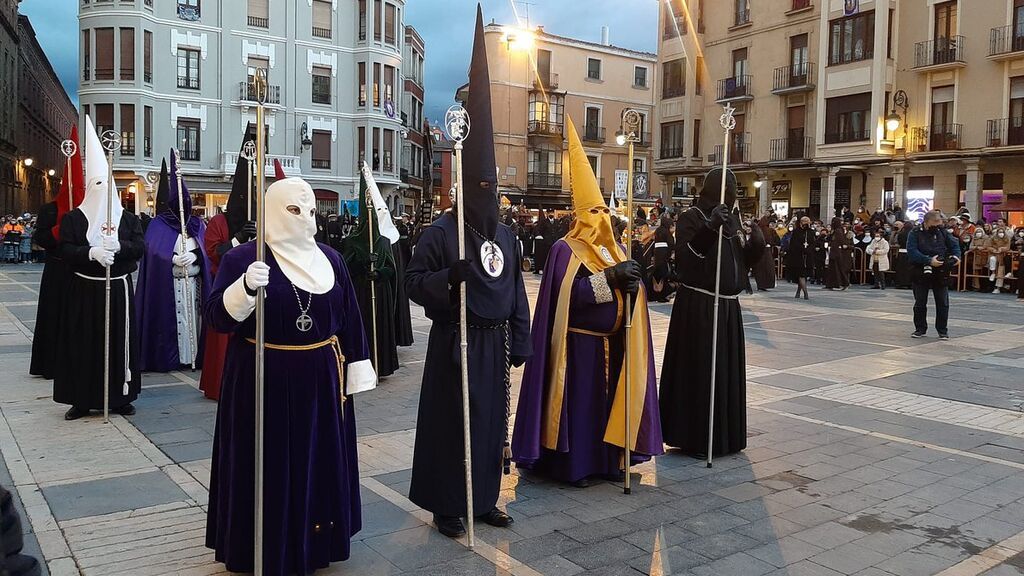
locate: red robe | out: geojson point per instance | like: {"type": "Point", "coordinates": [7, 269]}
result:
{"type": "Point", "coordinates": [216, 343]}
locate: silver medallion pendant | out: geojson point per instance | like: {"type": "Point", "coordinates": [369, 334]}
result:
{"type": "Point", "coordinates": [304, 323]}
{"type": "Point", "coordinates": [607, 255]}
{"type": "Point", "coordinates": [492, 259]}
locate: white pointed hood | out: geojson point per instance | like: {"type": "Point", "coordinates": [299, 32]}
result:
{"type": "Point", "coordinates": [97, 173]}
{"type": "Point", "coordinates": [385, 223]}
{"type": "Point", "coordinates": [291, 236]}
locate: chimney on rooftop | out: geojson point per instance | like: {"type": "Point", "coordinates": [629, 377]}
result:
{"type": "Point", "coordinates": [604, 36]}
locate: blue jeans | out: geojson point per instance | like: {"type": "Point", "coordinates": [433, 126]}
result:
{"type": "Point", "coordinates": [936, 284]}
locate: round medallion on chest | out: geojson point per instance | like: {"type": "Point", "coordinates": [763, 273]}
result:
{"type": "Point", "coordinates": [492, 260]}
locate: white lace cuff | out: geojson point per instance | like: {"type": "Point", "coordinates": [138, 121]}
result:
{"type": "Point", "coordinates": [602, 291]}
{"type": "Point", "coordinates": [237, 302]}
{"type": "Point", "coordinates": [360, 377]}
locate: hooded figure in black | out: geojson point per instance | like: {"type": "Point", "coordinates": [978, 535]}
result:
{"type": "Point", "coordinates": [686, 373]}
{"type": "Point", "coordinates": [498, 318]}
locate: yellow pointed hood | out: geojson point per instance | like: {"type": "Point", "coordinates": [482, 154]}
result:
{"type": "Point", "coordinates": [592, 237]}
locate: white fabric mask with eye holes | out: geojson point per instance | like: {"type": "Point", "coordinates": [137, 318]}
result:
{"type": "Point", "coordinates": [291, 235]}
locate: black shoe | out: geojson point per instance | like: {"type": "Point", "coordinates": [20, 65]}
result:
{"type": "Point", "coordinates": [450, 526]}
{"type": "Point", "coordinates": [917, 335]}
{"type": "Point", "coordinates": [581, 483]}
{"type": "Point", "coordinates": [876, 287]}
{"type": "Point", "coordinates": [943, 336]}
{"type": "Point", "coordinates": [496, 518]}
{"type": "Point", "coordinates": [126, 410]}
{"type": "Point", "coordinates": [74, 413]}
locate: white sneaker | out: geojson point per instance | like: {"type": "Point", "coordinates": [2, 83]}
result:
{"type": "Point", "coordinates": [991, 277]}
{"type": "Point", "coordinates": [996, 291]}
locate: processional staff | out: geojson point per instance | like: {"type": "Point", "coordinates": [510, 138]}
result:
{"type": "Point", "coordinates": [631, 123]}
{"type": "Point", "coordinates": [187, 297]}
{"type": "Point", "coordinates": [260, 90]}
{"type": "Point", "coordinates": [69, 149]}
{"type": "Point", "coordinates": [373, 260]}
{"type": "Point", "coordinates": [111, 141]}
{"type": "Point", "coordinates": [456, 122]}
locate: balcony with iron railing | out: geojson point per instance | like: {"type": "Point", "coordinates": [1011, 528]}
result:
{"type": "Point", "coordinates": [1005, 132]}
{"type": "Point", "coordinates": [674, 151]}
{"type": "Point", "coordinates": [794, 78]}
{"type": "Point", "coordinates": [190, 82]}
{"type": "Point", "coordinates": [189, 153]}
{"type": "Point", "coordinates": [939, 54]}
{"type": "Point", "coordinates": [791, 149]}
{"type": "Point", "coordinates": [800, 6]}
{"type": "Point", "coordinates": [735, 89]}
{"type": "Point", "coordinates": [546, 180]}
{"type": "Point", "coordinates": [547, 81]}
{"type": "Point", "coordinates": [258, 21]}
{"type": "Point", "coordinates": [593, 133]}
{"type": "Point", "coordinates": [674, 27]}
{"type": "Point", "coordinates": [1006, 41]}
{"type": "Point", "coordinates": [544, 128]}
{"type": "Point", "coordinates": [742, 17]}
{"type": "Point", "coordinates": [935, 138]}
{"type": "Point", "coordinates": [739, 149]}
{"type": "Point", "coordinates": [247, 93]}
{"type": "Point", "coordinates": [319, 32]}
{"type": "Point", "coordinates": [320, 163]}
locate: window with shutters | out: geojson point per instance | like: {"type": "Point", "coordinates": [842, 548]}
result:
{"type": "Point", "coordinates": [86, 53]}
{"type": "Point", "coordinates": [852, 39]}
{"type": "Point", "coordinates": [389, 150]}
{"type": "Point", "coordinates": [673, 78]}
{"type": "Point", "coordinates": [362, 84]}
{"type": "Point", "coordinates": [259, 13]}
{"type": "Point", "coordinates": [188, 139]}
{"type": "Point", "coordinates": [640, 76]}
{"type": "Point", "coordinates": [389, 24]}
{"type": "Point", "coordinates": [378, 19]}
{"type": "Point", "coordinates": [104, 118]}
{"type": "Point", "coordinates": [847, 118]}
{"type": "Point", "coordinates": [188, 68]}
{"type": "Point", "coordinates": [321, 19]}
{"type": "Point", "coordinates": [593, 69]}
{"type": "Point", "coordinates": [147, 131]}
{"type": "Point", "coordinates": [362, 20]}
{"type": "Point", "coordinates": [321, 159]}
{"type": "Point", "coordinates": [127, 130]}
{"type": "Point", "coordinates": [147, 56]}
{"type": "Point", "coordinates": [321, 85]}
{"type": "Point", "coordinates": [672, 136]}
{"type": "Point", "coordinates": [104, 53]}
{"type": "Point", "coordinates": [376, 149]}
{"type": "Point", "coordinates": [127, 54]}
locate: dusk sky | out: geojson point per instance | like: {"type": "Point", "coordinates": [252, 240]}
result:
{"type": "Point", "coordinates": [446, 27]}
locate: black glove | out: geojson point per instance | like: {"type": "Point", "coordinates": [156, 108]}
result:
{"type": "Point", "coordinates": [518, 360]}
{"type": "Point", "coordinates": [719, 216]}
{"type": "Point", "coordinates": [624, 276]}
{"type": "Point", "coordinates": [372, 275]}
{"type": "Point", "coordinates": [458, 273]}
{"type": "Point", "coordinates": [248, 232]}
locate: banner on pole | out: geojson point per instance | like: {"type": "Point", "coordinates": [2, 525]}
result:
{"type": "Point", "coordinates": [621, 181]}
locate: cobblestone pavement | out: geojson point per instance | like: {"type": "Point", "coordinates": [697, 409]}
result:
{"type": "Point", "coordinates": [869, 454]}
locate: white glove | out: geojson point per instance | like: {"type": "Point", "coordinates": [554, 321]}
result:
{"type": "Point", "coordinates": [103, 257]}
{"type": "Point", "coordinates": [111, 243]}
{"type": "Point", "coordinates": [257, 275]}
{"type": "Point", "coordinates": [184, 260]}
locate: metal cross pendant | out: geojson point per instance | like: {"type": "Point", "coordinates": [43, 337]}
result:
{"type": "Point", "coordinates": [304, 323]}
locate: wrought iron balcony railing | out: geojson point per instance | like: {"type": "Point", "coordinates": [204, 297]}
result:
{"type": "Point", "coordinates": [1005, 132]}
{"type": "Point", "coordinates": [939, 52]}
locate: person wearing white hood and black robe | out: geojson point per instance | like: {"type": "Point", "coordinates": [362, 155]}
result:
{"type": "Point", "coordinates": [498, 317]}
{"type": "Point", "coordinates": [316, 358]}
{"type": "Point", "coordinates": [89, 248]}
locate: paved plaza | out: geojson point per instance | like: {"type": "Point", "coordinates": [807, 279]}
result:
{"type": "Point", "coordinates": [868, 453]}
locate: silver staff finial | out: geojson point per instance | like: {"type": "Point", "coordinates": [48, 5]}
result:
{"type": "Point", "coordinates": [249, 150]}
{"type": "Point", "coordinates": [456, 123]}
{"type": "Point", "coordinates": [260, 87]}
{"type": "Point", "coordinates": [110, 140]}
{"type": "Point", "coordinates": [68, 148]}
{"type": "Point", "coordinates": [631, 121]}
{"type": "Point", "coordinates": [727, 119]}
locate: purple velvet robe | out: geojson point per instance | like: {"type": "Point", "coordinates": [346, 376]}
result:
{"type": "Point", "coordinates": [591, 377]}
{"type": "Point", "coordinates": [311, 475]}
{"type": "Point", "coordinates": [155, 310]}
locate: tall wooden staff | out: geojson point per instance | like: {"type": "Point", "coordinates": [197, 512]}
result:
{"type": "Point", "coordinates": [728, 122]}
{"type": "Point", "coordinates": [631, 122]}
{"type": "Point", "coordinates": [456, 122]}
{"type": "Point", "coordinates": [260, 90]}
{"type": "Point", "coordinates": [190, 311]}
{"type": "Point", "coordinates": [111, 141]}
{"type": "Point", "coordinates": [249, 153]}
{"type": "Point", "coordinates": [373, 263]}
{"type": "Point", "coordinates": [68, 148]}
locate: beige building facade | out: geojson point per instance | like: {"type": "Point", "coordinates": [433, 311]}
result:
{"type": "Point", "coordinates": [916, 103]}
{"type": "Point", "coordinates": [537, 79]}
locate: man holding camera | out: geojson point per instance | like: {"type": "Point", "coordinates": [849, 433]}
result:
{"type": "Point", "coordinates": [933, 252]}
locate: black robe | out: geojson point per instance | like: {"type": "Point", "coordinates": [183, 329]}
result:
{"type": "Point", "coordinates": [403, 317]}
{"type": "Point", "coordinates": [658, 266]}
{"type": "Point", "coordinates": [386, 346]}
{"type": "Point", "coordinates": [766, 270]}
{"type": "Point", "coordinates": [686, 372]}
{"type": "Point", "coordinates": [495, 307]}
{"type": "Point", "coordinates": [79, 377]}
{"type": "Point", "coordinates": [544, 233]}
{"type": "Point", "coordinates": [52, 287]}
{"type": "Point", "coordinates": [840, 261]}
{"type": "Point", "coordinates": [800, 258]}
{"type": "Point", "coordinates": [901, 263]}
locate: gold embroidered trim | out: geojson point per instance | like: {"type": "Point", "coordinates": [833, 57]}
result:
{"type": "Point", "coordinates": [602, 291]}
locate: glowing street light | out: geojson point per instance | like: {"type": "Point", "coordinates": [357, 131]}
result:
{"type": "Point", "coordinates": [518, 40]}
{"type": "Point", "coordinates": [28, 161]}
{"type": "Point", "coordinates": [51, 172]}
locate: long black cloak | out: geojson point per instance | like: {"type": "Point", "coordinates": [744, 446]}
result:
{"type": "Point", "coordinates": [52, 287]}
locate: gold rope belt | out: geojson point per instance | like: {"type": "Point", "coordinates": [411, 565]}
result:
{"type": "Point", "coordinates": [333, 342]}
{"type": "Point", "coordinates": [590, 332]}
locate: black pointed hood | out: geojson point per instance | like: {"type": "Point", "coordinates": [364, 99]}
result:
{"type": "Point", "coordinates": [711, 192]}
{"type": "Point", "coordinates": [479, 172]}
{"type": "Point", "coordinates": [163, 190]}
{"type": "Point", "coordinates": [238, 200]}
